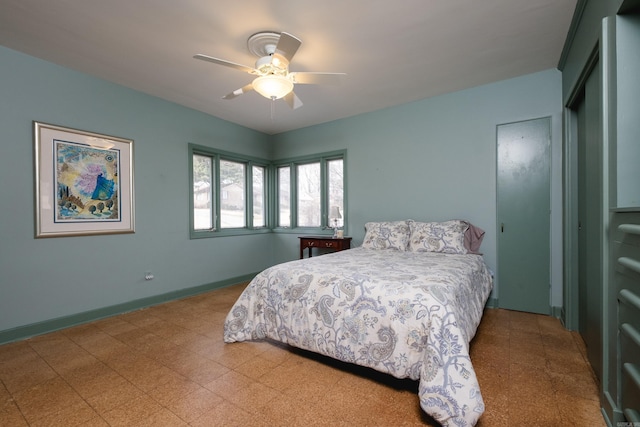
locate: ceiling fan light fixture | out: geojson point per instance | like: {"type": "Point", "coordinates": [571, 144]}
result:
{"type": "Point", "coordinates": [272, 86]}
{"type": "Point", "coordinates": [272, 77]}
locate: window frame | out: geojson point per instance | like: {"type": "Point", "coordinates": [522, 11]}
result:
{"type": "Point", "coordinates": [249, 162]}
{"type": "Point", "coordinates": [271, 196]}
{"type": "Point", "coordinates": [292, 163]}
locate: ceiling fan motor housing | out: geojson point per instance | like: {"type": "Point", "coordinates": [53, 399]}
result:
{"type": "Point", "coordinates": [271, 65]}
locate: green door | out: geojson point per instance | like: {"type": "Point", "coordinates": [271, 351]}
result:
{"type": "Point", "coordinates": [590, 292]}
{"type": "Point", "coordinates": [523, 192]}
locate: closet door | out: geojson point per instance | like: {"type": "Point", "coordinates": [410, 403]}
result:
{"type": "Point", "coordinates": [590, 287]}
{"type": "Point", "coordinates": [524, 215]}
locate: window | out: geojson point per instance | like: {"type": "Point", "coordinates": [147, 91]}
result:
{"type": "Point", "coordinates": [234, 194]}
{"type": "Point", "coordinates": [202, 194]}
{"type": "Point", "coordinates": [335, 169]}
{"type": "Point", "coordinates": [259, 204]}
{"type": "Point", "coordinates": [232, 185]}
{"type": "Point", "coordinates": [228, 193]}
{"type": "Point", "coordinates": [309, 194]}
{"type": "Point", "coordinates": [284, 196]}
{"type": "Point", "coordinates": [308, 189]}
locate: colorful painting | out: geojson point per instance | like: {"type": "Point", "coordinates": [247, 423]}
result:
{"type": "Point", "coordinates": [84, 182]}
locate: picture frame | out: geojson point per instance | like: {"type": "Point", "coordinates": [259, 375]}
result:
{"type": "Point", "coordinates": [83, 182]}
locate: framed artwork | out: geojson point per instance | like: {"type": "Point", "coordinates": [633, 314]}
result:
{"type": "Point", "coordinates": [83, 182]}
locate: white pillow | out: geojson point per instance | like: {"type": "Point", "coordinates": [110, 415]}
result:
{"type": "Point", "coordinates": [386, 235]}
{"type": "Point", "coordinates": [445, 237]}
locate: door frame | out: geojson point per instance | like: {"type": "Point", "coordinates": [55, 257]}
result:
{"type": "Point", "coordinates": [601, 56]}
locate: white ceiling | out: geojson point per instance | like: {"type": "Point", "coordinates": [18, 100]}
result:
{"type": "Point", "coordinates": [393, 52]}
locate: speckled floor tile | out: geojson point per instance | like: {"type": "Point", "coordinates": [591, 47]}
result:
{"type": "Point", "coordinates": [167, 365]}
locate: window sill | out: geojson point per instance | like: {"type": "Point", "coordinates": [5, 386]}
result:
{"type": "Point", "coordinates": [227, 233]}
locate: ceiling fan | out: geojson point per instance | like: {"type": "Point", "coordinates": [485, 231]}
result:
{"type": "Point", "coordinates": [274, 81]}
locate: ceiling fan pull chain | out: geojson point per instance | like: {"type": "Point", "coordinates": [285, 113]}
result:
{"type": "Point", "coordinates": [273, 109]}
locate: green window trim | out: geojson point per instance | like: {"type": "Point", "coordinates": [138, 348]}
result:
{"type": "Point", "coordinates": [292, 164]}
{"type": "Point", "coordinates": [271, 208]}
{"type": "Point", "coordinates": [218, 156]}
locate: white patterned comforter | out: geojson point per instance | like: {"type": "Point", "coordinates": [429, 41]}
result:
{"type": "Point", "coordinates": [408, 314]}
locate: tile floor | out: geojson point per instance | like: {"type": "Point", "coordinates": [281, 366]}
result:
{"type": "Point", "coordinates": [168, 366]}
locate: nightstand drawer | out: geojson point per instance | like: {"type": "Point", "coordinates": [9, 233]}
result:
{"type": "Point", "coordinates": [323, 242]}
{"type": "Point", "coordinates": [329, 244]}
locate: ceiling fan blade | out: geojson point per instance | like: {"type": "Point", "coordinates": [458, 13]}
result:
{"type": "Point", "coordinates": [310, 78]}
{"type": "Point", "coordinates": [238, 92]}
{"type": "Point", "coordinates": [287, 47]}
{"type": "Point", "coordinates": [226, 63]}
{"type": "Point", "coordinates": [293, 100]}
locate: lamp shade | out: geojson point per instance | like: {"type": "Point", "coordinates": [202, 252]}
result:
{"type": "Point", "coordinates": [272, 86]}
{"type": "Point", "coordinates": [335, 213]}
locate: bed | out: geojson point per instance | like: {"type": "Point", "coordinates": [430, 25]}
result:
{"type": "Point", "coordinates": [407, 303]}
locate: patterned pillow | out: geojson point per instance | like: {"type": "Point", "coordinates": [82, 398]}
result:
{"type": "Point", "coordinates": [386, 235]}
{"type": "Point", "coordinates": [446, 237]}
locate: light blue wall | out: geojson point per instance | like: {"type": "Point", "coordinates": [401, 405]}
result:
{"type": "Point", "coordinates": [435, 159]}
{"type": "Point", "coordinates": [43, 279]}
{"type": "Point", "coordinates": [428, 160]}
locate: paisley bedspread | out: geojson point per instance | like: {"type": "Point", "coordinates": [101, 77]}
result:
{"type": "Point", "coordinates": [408, 314]}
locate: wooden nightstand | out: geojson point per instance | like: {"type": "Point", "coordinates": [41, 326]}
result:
{"type": "Point", "coordinates": [323, 242]}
